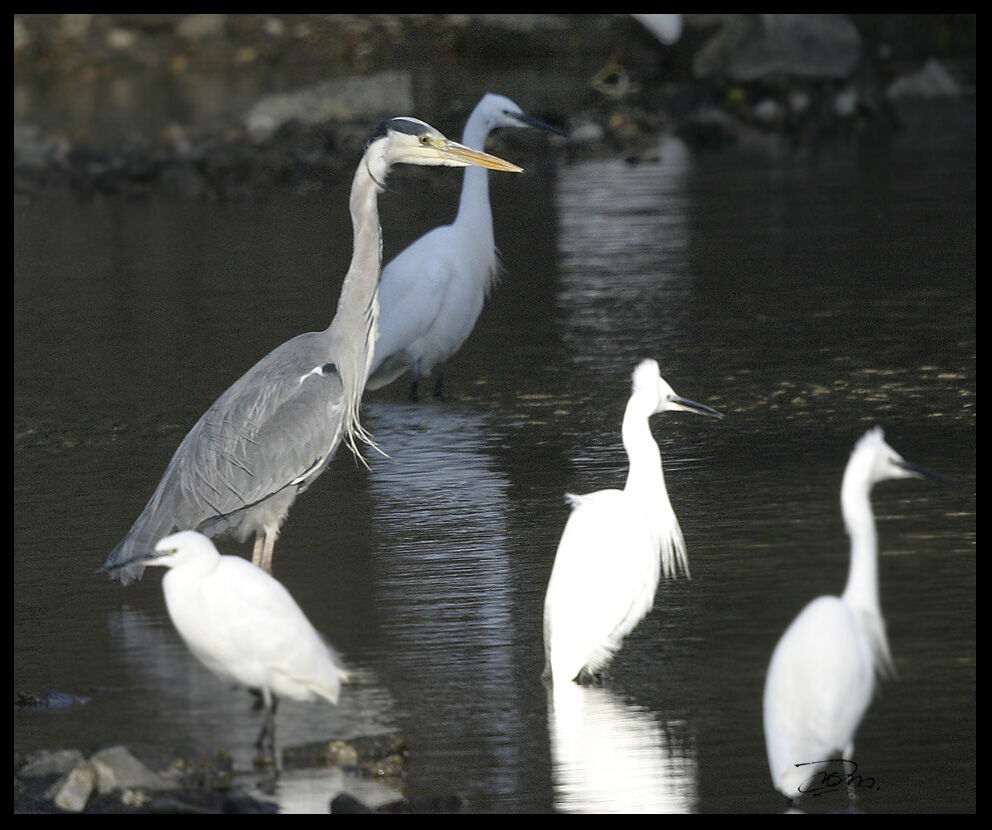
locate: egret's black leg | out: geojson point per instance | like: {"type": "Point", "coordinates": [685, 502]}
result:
{"type": "Point", "coordinates": [267, 737]}
{"type": "Point", "coordinates": [259, 701]}
{"type": "Point", "coordinates": [588, 678]}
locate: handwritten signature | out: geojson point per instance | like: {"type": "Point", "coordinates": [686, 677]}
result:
{"type": "Point", "coordinates": [844, 775]}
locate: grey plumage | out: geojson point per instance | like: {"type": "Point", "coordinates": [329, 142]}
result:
{"type": "Point", "coordinates": [269, 436]}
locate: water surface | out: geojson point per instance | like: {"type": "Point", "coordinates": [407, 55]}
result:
{"type": "Point", "coordinates": [808, 300]}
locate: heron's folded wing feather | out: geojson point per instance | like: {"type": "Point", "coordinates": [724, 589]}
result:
{"type": "Point", "coordinates": [274, 428]}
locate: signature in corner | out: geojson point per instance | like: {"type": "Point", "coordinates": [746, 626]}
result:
{"type": "Point", "coordinates": [842, 773]}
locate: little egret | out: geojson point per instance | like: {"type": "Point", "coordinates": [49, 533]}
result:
{"type": "Point", "coordinates": [274, 431]}
{"type": "Point", "coordinates": [821, 677]}
{"type": "Point", "coordinates": [615, 546]}
{"type": "Point", "coordinates": [244, 626]}
{"type": "Point", "coordinates": [432, 293]}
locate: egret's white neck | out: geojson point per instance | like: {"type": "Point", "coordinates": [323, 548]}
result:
{"type": "Point", "coordinates": [861, 592]}
{"type": "Point", "coordinates": [354, 329]}
{"type": "Point", "coordinates": [475, 214]}
{"type": "Point", "coordinates": [862, 582]}
{"type": "Point", "coordinates": [646, 484]}
{"type": "Point", "coordinates": [645, 478]}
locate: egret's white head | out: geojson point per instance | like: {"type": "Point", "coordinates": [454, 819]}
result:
{"type": "Point", "coordinates": [499, 111]}
{"type": "Point", "coordinates": [873, 460]}
{"type": "Point", "coordinates": [649, 384]}
{"type": "Point", "coordinates": [181, 549]}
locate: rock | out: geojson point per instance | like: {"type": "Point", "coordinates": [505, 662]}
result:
{"type": "Point", "coordinates": [348, 804]}
{"type": "Point", "coordinates": [751, 47]}
{"type": "Point", "coordinates": [709, 127]}
{"type": "Point", "coordinates": [667, 28]}
{"type": "Point", "coordinates": [440, 805]}
{"type": "Point", "coordinates": [118, 769]}
{"type": "Point", "coordinates": [36, 149]}
{"type": "Point", "coordinates": [377, 755]}
{"type": "Point", "coordinates": [931, 81]}
{"type": "Point", "coordinates": [73, 793]}
{"type": "Point", "coordinates": [346, 99]}
{"type": "Point", "coordinates": [199, 26]}
{"type": "Point", "coordinates": [57, 762]}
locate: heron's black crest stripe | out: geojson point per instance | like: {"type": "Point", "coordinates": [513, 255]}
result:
{"type": "Point", "coordinates": [380, 131]}
{"type": "Point", "coordinates": [410, 126]}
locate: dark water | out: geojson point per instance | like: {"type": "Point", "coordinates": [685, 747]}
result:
{"type": "Point", "coordinates": [807, 300]}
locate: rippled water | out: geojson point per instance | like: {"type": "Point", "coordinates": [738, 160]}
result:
{"type": "Point", "coordinates": [807, 300]}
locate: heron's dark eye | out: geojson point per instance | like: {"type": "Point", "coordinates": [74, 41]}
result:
{"type": "Point", "coordinates": [425, 139]}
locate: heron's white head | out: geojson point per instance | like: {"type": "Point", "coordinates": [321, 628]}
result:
{"type": "Point", "coordinates": [654, 389]}
{"type": "Point", "coordinates": [411, 141]}
{"type": "Point", "coordinates": [182, 548]}
{"type": "Point", "coordinates": [873, 460]}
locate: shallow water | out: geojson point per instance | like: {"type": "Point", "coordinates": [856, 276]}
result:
{"type": "Point", "coordinates": [807, 300]}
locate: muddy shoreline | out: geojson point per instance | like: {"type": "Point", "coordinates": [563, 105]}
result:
{"type": "Point", "coordinates": [221, 107]}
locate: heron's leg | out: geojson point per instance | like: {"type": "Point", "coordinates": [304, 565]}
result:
{"type": "Point", "coordinates": [439, 384]}
{"type": "Point", "coordinates": [268, 547]}
{"type": "Point", "coordinates": [256, 553]}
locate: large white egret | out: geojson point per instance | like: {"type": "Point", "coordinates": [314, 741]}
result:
{"type": "Point", "coordinates": [615, 546]}
{"type": "Point", "coordinates": [274, 431]}
{"type": "Point", "coordinates": [432, 293]}
{"type": "Point", "coordinates": [244, 626]}
{"type": "Point", "coordinates": [821, 677]}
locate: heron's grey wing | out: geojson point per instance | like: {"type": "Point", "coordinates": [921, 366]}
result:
{"type": "Point", "coordinates": [277, 432]}
{"type": "Point", "coordinates": [274, 428]}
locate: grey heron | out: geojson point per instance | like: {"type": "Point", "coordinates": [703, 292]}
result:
{"type": "Point", "coordinates": [244, 626]}
{"type": "Point", "coordinates": [432, 293]}
{"type": "Point", "coordinates": [273, 432]}
{"type": "Point", "coordinates": [615, 546]}
{"type": "Point", "coordinates": [821, 677]}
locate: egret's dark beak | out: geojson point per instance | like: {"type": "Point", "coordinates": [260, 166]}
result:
{"type": "Point", "coordinates": [538, 124]}
{"type": "Point", "coordinates": [698, 408]}
{"type": "Point", "coordinates": [920, 472]}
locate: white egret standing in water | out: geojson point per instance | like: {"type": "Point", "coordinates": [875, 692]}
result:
{"type": "Point", "coordinates": [274, 431]}
{"type": "Point", "coordinates": [821, 677]}
{"type": "Point", "coordinates": [615, 546]}
{"type": "Point", "coordinates": [243, 625]}
{"type": "Point", "coordinates": [432, 293]}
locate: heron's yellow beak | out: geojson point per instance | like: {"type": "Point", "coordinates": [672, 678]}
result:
{"type": "Point", "coordinates": [455, 153]}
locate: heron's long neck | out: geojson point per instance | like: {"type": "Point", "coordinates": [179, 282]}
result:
{"type": "Point", "coordinates": [645, 479]}
{"type": "Point", "coordinates": [474, 211]}
{"type": "Point", "coordinates": [862, 580]}
{"type": "Point", "coordinates": [354, 329]}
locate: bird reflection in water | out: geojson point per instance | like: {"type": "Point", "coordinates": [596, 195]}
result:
{"type": "Point", "coordinates": [611, 756]}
